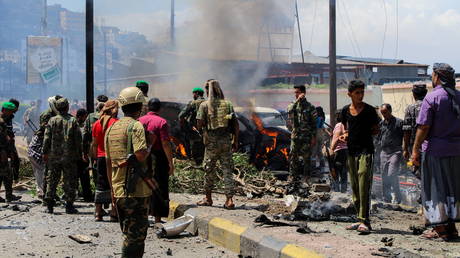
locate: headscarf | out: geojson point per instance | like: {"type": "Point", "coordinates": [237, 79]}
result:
{"type": "Point", "coordinates": [109, 110]}
{"type": "Point", "coordinates": [215, 93]}
{"type": "Point", "coordinates": [446, 75]}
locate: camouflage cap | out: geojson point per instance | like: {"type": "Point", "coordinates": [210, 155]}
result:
{"type": "Point", "coordinates": [8, 106]}
{"type": "Point", "coordinates": [62, 104]}
{"type": "Point", "coordinates": [197, 89]}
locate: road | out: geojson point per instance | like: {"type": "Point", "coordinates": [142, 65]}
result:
{"type": "Point", "coordinates": [38, 234]}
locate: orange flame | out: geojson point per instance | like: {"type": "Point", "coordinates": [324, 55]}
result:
{"type": "Point", "coordinates": [180, 148]}
{"type": "Point", "coordinates": [260, 127]}
{"type": "Point", "coordinates": [285, 153]}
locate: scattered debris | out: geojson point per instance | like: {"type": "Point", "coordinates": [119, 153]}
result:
{"type": "Point", "coordinates": [264, 220]}
{"type": "Point", "coordinates": [394, 207]}
{"type": "Point", "coordinates": [175, 227]}
{"type": "Point", "coordinates": [81, 239]}
{"type": "Point", "coordinates": [321, 188]}
{"type": "Point", "coordinates": [417, 230]}
{"type": "Point", "coordinates": [95, 234]}
{"type": "Point", "coordinates": [388, 241]}
{"type": "Point", "coordinates": [169, 252]}
{"type": "Point", "coordinates": [305, 229]}
{"type": "Point", "coordinates": [320, 207]}
{"type": "Point", "coordinates": [13, 227]}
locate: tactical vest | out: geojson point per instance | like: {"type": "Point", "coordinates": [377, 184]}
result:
{"type": "Point", "coordinates": [221, 115]}
{"type": "Point", "coordinates": [195, 106]}
{"type": "Point", "coordinates": [117, 139]}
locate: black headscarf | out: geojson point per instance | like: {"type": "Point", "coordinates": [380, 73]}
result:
{"type": "Point", "coordinates": [446, 75]}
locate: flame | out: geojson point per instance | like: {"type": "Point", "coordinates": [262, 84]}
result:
{"type": "Point", "coordinates": [260, 127]}
{"type": "Point", "coordinates": [180, 148]}
{"type": "Point", "coordinates": [285, 153]}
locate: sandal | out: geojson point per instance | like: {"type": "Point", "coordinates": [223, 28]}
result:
{"type": "Point", "coordinates": [204, 202]}
{"type": "Point", "coordinates": [436, 233]}
{"type": "Point", "coordinates": [98, 217]}
{"type": "Point", "coordinates": [353, 226]}
{"type": "Point", "coordinates": [229, 207]}
{"type": "Point", "coordinates": [364, 229]}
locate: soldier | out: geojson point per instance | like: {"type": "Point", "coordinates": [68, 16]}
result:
{"type": "Point", "coordinates": [34, 151]}
{"type": "Point", "coordinates": [419, 92]}
{"type": "Point", "coordinates": [5, 152]}
{"type": "Point", "coordinates": [82, 164]}
{"type": "Point", "coordinates": [89, 122]}
{"type": "Point", "coordinates": [61, 151]}
{"type": "Point", "coordinates": [127, 136]}
{"type": "Point", "coordinates": [302, 123]}
{"type": "Point", "coordinates": [14, 152]}
{"type": "Point", "coordinates": [187, 119]}
{"type": "Point", "coordinates": [144, 87]}
{"type": "Point", "coordinates": [218, 120]}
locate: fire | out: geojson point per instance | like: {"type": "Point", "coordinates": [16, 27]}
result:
{"type": "Point", "coordinates": [285, 153]}
{"type": "Point", "coordinates": [260, 127]}
{"type": "Point", "coordinates": [180, 148]}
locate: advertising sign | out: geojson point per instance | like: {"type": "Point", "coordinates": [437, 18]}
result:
{"type": "Point", "coordinates": [44, 60]}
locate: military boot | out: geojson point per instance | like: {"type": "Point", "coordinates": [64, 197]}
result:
{"type": "Point", "coordinates": [12, 198]}
{"type": "Point", "coordinates": [49, 208]}
{"type": "Point", "coordinates": [70, 209]}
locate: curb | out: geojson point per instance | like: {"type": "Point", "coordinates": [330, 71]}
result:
{"type": "Point", "coordinates": [239, 239]}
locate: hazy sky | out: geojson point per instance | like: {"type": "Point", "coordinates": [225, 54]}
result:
{"type": "Point", "coordinates": [424, 31]}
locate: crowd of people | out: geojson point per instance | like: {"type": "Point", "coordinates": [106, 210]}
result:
{"type": "Point", "coordinates": [426, 140]}
{"type": "Point", "coordinates": [131, 157]}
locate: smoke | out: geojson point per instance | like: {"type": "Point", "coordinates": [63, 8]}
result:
{"type": "Point", "coordinates": [229, 41]}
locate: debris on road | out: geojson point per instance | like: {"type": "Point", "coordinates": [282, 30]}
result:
{"type": "Point", "coordinates": [175, 227]}
{"type": "Point", "coordinates": [388, 241]}
{"type": "Point", "coordinates": [81, 239]}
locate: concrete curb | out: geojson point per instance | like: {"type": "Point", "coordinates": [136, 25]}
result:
{"type": "Point", "coordinates": [237, 238]}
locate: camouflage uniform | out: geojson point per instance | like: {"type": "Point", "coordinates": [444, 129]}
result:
{"type": "Point", "coordinates": [88, 131]}
{"type": "Point", "coordinates": [12, 145]}
{"type": "Point", "coordinates": [133, 208]}
{"type": "Point", "coordinates": [218, 143]}
{"type": "Point", "coordinates": [302, 120]}
{"type": "Point", "coordinates": [5, 151]}
{"type": "Point", "coordinates": [196, 141]}
{"type": "Point", "coordinates": [62, 144]}
{"type": "Point", "coordinates": [410, 121]}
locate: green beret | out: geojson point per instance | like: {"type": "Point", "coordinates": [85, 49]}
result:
{"type": "Point", "coordinates": [197, 89]}
{"type": "Point", "coordinates": [9, 106]}
{"type": "Point", "coordinates": [62, 104]}
{"type": "Point", "coordinates": [142, 84]}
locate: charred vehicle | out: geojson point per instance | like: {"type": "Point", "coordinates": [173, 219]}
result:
{"type": "Point", "coordinates": [263, 135]}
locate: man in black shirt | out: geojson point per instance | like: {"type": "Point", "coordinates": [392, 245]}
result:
{"type": "Point", "coordinates": [390, 137]}
{"type": "Point", "coordinates": [361, 122]}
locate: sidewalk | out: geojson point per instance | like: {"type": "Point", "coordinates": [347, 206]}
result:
{"type": "Point", "coordinates": [235, 230]}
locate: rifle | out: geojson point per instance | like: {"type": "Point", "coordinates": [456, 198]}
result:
{"type": "Point", "coordinates": [135, 172]}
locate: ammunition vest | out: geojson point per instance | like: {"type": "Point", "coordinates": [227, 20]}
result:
{"type": "Point", "coordinates": [221, 115]}
{"type": "Point", "coordinates": [117, 139]}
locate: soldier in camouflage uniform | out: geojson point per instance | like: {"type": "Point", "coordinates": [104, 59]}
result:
{"type": "Point", "coordinates": [133, 208]}
{"type": "Point", "coordinates": [14, 152]}
{"type": "Point", "coordinates": [302, 123]}
{"type": "Point", "coordinates": [218, 120]}
{"type": "Point", "coordinates": [187, 119]}
{"type": "Point", "coordinates": [61, 151]}
{"type": "Point", "coordinates": [6, 152]}
{"type": "Point", "coordinates": [89, 122]}
{"type": "Point", "coordinates": [144, 87]}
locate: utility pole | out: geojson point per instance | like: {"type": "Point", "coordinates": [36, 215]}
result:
{"type": "Point", "coordinates": [172, 25]}
{"type": "Point", "coordinates": [89, 56]}
{"type": "Point", "coordinates": [332, 63]}
{"type": "Point", "coordinates": [105, 60]}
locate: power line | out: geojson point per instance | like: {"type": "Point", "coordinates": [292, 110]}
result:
{"type": "Point", "coordinates": [351, 28]}
{"type": "Point", "coordinates": [348, 32]}
{"type": "Point", "coordinates": [397, 29]}
{"type": "Point", "coordinates": [385, 29]}
{"type": "Point", "coordinates": [313, 26]}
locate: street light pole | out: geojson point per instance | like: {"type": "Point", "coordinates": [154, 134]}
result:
{"type": "Point", "coordinates": [89, 56]}
{"type": "Point", "coordinates": [332, 62]}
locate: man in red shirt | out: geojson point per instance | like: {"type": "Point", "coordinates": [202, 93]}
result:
{"type": "Point", "coordinates": [103, 195]}
{"type": "Point", "coordinates": [161, 155]}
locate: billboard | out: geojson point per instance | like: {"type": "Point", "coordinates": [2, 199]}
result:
{"type": "Point", "coordinates": [44, 60]}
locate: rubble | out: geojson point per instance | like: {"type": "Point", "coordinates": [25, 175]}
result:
{"type": "Point", "coordinates": [81, 239]}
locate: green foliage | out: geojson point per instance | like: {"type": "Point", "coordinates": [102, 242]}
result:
{"type": "Point", "coordinates": [25, 169]}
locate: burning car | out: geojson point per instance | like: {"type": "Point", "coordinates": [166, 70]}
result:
{"type": "Point", "coordinates": [263, 135]}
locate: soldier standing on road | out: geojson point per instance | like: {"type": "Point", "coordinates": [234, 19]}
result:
{"type": "Point", "coordinates": [361, 123]}
{"type": "Point", "coordinates": [219, 122]}
{"type": "Point", "coordinates": [83, 163]}
{"type": "Point", "coordinates": [187, 119]}
{"type": "Point", "coordinates": [89, 122]}
{"type": "Point", "coordinates": [391, 135]}
{"type": "Point", "coordinates": [302, 123]}
{"type": "Point", "coordinates": [144, 87]}
{"type": "Point", "coordinates": [6, 176]}
{"type": "Point", "coordinates": [34, 151]}
{"type": "Point", "coordinates": [419, 92]}
{"type": "Point", "coordinates": [438, 135]}
{"type": "Point", "coordinates": [61, 151]}
{"type": "Point", "coordinates": [127, 136]}
{"type": "Point", "coordinates": [14, 152]}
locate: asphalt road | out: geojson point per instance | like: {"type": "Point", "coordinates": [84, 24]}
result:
{"type": "Point", "coordinates": [38, 234]}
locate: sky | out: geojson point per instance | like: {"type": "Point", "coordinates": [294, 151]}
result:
{"type": "Point", "coordinates": [421, 31]}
